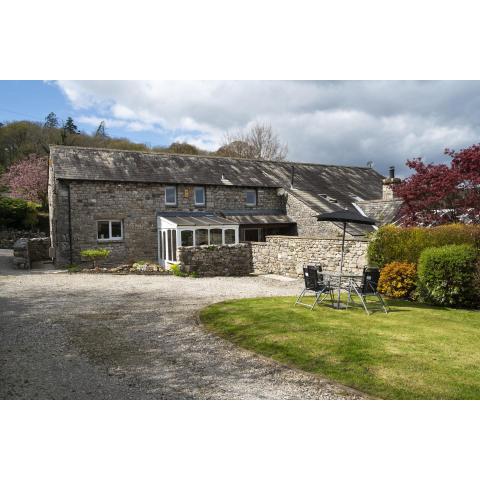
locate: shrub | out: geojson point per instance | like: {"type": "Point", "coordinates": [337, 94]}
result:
{"type": "Point", "coordinates": [95, 255]}
{"type": "Point", "coordinates": [396, 244]}
{"type": "Point", "coordinates": [398, 279]}
{"type": "Point", "coordinates": [18, 213]}
{"type": "Point", "coordinates": [177, 271]}
{"type": "Point", "coordinates": [447, 276]}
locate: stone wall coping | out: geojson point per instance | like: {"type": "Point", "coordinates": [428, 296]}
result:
{"type": "Point", "coordinates": [211, 247]}
{"type": "Point", "coordinates": [292, 237]}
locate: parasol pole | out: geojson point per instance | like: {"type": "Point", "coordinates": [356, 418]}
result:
{"type": "Point", "coordinates": [341, 264]}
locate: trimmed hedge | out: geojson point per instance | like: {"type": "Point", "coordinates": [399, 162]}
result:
{"type": "Point", "coordinates": [447, 276]}
{"type": "Point", "coordinates": [396, 244]}
{"type": "Point", "coordinates": [398, 279]}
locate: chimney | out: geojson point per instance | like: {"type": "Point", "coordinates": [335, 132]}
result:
{"type": "Point", "coordinates": [388, 183]}
{"type": "Point", "coordinates": [292, 177]}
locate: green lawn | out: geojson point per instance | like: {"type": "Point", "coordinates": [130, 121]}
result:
{"type": "Point", "coordinates": [414, 352]}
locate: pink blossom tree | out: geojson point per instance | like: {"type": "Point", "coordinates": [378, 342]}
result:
{"type": "Point", "coordinates": [28, 179]}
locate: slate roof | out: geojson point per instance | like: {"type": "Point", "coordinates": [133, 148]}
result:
{"type": "Point", "coordinates": [383, 211]}
{"type": "Point", "coordinates": [311, 181]}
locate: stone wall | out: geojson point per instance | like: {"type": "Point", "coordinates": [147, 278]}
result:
{"type": "Point", "coordinates": [38, 248]}
{"type": "Point", "coordinates": [279, 254]}
{"type": "Point", "coordinates": [135, 204]}
{"type": "Point", "coordinates": [286, 255]}
{"type": "Point", "coordinates": [28, 250]}
{"type": "Point", "coordinates": [10, 235]}
{"type": "Point", "coordinates": [218, 260]}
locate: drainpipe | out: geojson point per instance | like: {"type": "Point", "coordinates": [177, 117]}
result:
{"type": "Point", "coordinates": [70, 225]}
{"type": "Point", "coordinates": [292, 177]}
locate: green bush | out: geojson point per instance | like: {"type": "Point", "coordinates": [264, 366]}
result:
{"type": "Point", "coordinates": [447, 276]}
{"type": "Point", "coordinates": [95, 255]}
{"type": "Point", "coordinates": [177, 271]}
{"type": "Point", "coordinates": [18, 213]}
{"type": "Point", "coordinates": [398, 279]}
{"type": "Point", "coordinates": [396, 244]}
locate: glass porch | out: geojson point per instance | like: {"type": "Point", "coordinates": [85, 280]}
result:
{"type": "Point", "coordinates": [191, 229]}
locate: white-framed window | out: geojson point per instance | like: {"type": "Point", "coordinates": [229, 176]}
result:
{"type": "Point", "coordinates": [187, 238]}
{"type": "Point", "coordinates": [171, 195]}
{"type": "Point", "coordinates": [251, 198]}
{"type": "Point", "coordinates": [216, 237]}
{"type": "Point", "coordinates": [229, 236]}
{"type": "Point", "coordinates": [199, 196]}
{"type": "Point", "coordinates": [109, 230]}
{"type": "Point", "coordinates": [201, 237]}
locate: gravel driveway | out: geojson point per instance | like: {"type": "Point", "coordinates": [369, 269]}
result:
{"type": "Point", "coordinates": [86, 336]}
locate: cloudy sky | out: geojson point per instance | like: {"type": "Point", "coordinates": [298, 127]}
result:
{"type": "Point", "coordinates": [347, 123]}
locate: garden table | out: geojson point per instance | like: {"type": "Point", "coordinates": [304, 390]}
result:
{"type": "Point", "coordinates": [340, 279]}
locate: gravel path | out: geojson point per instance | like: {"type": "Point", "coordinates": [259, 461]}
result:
{"type": "Point", "coordinates": [86, 336]}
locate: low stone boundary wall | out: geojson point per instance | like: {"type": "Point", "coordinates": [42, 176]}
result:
{"type": "Point", "coordinates": [286, 255]}
{"type": "Point", "coordinates": [216, 260]}
{"type": "Point", "coordinates": [28, 250]}
{"type": "Point", "coordinates": [281, 255]}
{"type": "Point", "coordinates": [9, 236]}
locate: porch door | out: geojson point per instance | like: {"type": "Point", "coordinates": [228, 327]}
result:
{"type": "Point", "coordinates": [252, 235]}
{"type": "Point", "coordinates": [167, 246]}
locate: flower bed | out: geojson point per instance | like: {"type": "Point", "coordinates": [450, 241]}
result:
{"type": "Point", "coordinates": [139, 268]}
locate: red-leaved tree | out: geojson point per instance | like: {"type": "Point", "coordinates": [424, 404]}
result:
{"type": "Point", "coordinates": [28, 179]}
{"type": "Point", "coordinates": [438, 194]}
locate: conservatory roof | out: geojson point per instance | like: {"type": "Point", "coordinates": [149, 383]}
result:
{"type": "Point", "coordinates": [195, 219]}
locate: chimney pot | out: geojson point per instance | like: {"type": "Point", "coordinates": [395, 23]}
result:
{"type": "Point", "coordinates": [391, 172]}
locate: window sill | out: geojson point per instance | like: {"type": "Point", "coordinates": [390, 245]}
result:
{"type": "Point", "coordinates": [110, 240]}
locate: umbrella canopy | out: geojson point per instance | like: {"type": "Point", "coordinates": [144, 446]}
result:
{"type": "Point", "coordinates": [345, 216]}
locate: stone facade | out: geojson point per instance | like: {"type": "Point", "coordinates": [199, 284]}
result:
{"type": "Point", "coordinates": [76, 206]}
{"type": "Point", "coordinates": [218, 260]}
{"type": "Point", "coordinates": [286, 255]}
{"type": "Point", "coordinates": [306, 219]}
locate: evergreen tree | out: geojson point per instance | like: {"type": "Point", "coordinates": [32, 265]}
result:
{"type": "Point", "coordinates": [70, 127]}
{"type": "Point", "coordinates": [51, 121]}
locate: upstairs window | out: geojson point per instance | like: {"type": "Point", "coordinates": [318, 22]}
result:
{"type": "Point", "coordinates": [109, 230]}
{"type": "Point", "coordinates": [199, 195]}
{"type": "Point", "coordinates": [251, 198]}
{"type": "Point", "coordinates": [171, 195]}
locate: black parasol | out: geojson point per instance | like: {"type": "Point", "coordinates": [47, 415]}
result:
{"type": "Point", "coordinates": [344, 216]}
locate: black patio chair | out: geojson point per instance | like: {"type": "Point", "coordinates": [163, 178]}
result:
{"type": "Point", "coordinates": [367, 287]}
{"type": "Point", "coordinates": [315, 283]}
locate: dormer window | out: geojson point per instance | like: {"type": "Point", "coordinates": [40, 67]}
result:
{"type": "Point", "coordinates": [199, 196]}
{"type": "Point", "coordinates": [251, 198]}
{"type": "Point", "coordinates": [171, 195]}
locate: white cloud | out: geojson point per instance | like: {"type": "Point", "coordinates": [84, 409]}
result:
{"type": "Point", "coordinates": [327, 122]}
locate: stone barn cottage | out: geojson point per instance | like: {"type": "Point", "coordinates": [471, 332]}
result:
{"type": "Point", "coordinates": [143, 206]}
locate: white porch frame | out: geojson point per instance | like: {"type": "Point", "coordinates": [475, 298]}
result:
{"type": "Point", "coordinates": [166, 225]}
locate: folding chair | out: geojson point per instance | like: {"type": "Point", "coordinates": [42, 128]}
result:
{"type": "Point", "coordinates": [368, 287]}
{"type": "Point", "coordinates": [315, 283]}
